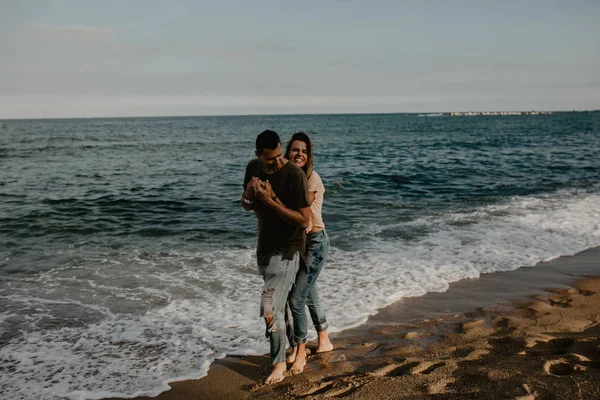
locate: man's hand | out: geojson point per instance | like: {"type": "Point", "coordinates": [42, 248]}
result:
{"type": "Point", "coordinates": [263, 193]}
{"type": "Point", "coordinates": [267, 193]}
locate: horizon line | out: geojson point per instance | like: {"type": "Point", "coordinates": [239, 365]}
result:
{"type": "Point", "coordinates": [293, 114]}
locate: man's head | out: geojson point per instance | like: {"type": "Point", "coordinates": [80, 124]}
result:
{"type": "Point", "coordinates": [268, 149]}
{"type": "Point", "coordinates": [267, 140]}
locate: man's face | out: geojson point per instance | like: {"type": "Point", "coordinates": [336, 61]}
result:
{"type": "Point", "coordinates": [272, 159]}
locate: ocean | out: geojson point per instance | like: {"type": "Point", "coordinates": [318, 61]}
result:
{"type": "Point", "coordinates": [126, 261]}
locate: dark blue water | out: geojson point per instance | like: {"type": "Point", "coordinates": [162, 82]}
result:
{"type": "Point", "coordinates": [124, 234]}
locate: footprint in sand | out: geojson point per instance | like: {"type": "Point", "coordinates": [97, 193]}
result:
{"type": "Point", "coordinates": [338, 387]}
{"type": "Point", "coordinates": [425, 368]}
{"type": "Point", "coordinates": [560, 302]}
{"type": "Point", "coordinates": [470, 353]}
{"type": "Point", "coordinates": [531, 394]}
{"type": "Point", "coordinates": [586, 292]}
{"type": "Point", "coordinates": [415, 335]}
{"type": "Point", "coordinates": [579, 357]}
{"type": "Point", "coordinates": [460, 353]}
{"type": "Point", "coordinates": [343, 391]}
{"type": "Point", "coordinates": [404, 369]}
{"type": "Point", "coordinates": [316, 389]}
{"type": "Point", "coordinates": [439, 386]}
{"type": "Point", "coordinates": [560, 345]}
{"type": "Point", "coordinates": [384, 371]}
{"type": "Point", "coordinates": [562, 367]}
{"type": "Point", "coordinates": [409, 368]}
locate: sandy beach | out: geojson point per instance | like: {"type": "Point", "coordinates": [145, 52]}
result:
{"type": "Point", "coordinates": [532, 333]}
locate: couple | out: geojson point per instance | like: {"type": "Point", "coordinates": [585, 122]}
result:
{"type": "Point", "coordinates": [287, 197]}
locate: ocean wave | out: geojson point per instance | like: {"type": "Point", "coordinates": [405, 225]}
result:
{"type": "Point", "coordinates": [168, 315]}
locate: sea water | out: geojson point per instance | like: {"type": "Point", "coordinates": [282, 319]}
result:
{"type": "Point", "coordinates": [127, 262]}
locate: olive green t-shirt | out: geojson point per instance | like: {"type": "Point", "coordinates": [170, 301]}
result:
{"type": "Point", "coordinates": [274, 234]}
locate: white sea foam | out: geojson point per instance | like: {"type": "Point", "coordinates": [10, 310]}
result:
{"type": "Point", "coordinates": [161, 318]}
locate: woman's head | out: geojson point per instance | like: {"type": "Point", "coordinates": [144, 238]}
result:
{"type": "Point", "coordinates": [300, 151]}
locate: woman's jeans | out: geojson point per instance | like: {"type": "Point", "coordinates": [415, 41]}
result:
{"type": "Point", "coordinates": [279, 277]}
{"type": "Point", "coordinates": [305, 291]}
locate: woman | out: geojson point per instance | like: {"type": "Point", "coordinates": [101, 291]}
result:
{"type": "Point", "coordinates": [300, 151]}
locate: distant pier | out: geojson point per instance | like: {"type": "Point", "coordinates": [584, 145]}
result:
{"type": "Point", "coordinates": [485, 113]}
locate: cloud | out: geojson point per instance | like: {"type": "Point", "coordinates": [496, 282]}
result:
{"type": "Point", "coordinates": [245, 50]}
{"type": "Point", "coordinates": [271, 46]}
{"type": "Point", "coordinates": [230, 51]}
{"type": "Point", "coordinates": [566, 85]}
{"type": "Point", "coordinates": [71, 32]}
{"type": "Point", "coordinates": [214, 52]}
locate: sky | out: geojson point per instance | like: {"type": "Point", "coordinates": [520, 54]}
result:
{"type": "Point", "coordinates": [92, 58]}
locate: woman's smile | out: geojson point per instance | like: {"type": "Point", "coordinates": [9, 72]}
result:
{"type": "Point", "coordinates": [298, 153]}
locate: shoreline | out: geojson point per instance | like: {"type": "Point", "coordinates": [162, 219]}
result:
{"type": "Point", "coordinates": [393, 350]}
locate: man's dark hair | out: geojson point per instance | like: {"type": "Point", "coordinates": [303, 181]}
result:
{"type": "Point", "coordinates": [267, 140]}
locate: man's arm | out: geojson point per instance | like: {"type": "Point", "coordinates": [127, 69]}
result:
{"type": "Point", "coordinates": [311, 195]}
{"type": "Point", "coordinates": [300, 218]}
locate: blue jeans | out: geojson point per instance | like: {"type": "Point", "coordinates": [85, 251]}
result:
{"type": "Point", "coordinates": [306, 292]}
{"type": "Point", "coordinates": [279, 276]}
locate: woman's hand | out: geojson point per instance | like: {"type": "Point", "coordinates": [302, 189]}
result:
{"type": "Point", "coordinates": [266, 194]}
{"type": "Point", "coordinates": [251, 188]}
{"type": "Point", "coordinates": [269, 189]}
{"type": "Point", "coordinates": [248, 196]}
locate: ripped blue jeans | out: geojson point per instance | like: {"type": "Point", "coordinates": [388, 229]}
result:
{"type": "Point", "coordinates": [279, 276]}
{"type": "Point", "coordinates": [306, 292]}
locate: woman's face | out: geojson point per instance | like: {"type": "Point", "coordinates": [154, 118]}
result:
{"type": "Point", "coordinates": [298, 153]}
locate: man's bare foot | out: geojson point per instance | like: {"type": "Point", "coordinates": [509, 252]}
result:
{"type": "Point", "coordinates": [292, 357]}
{"type": "Point", "coordinates": [324, 343]}
{"type": "Point", "coordinates": [277, 374]}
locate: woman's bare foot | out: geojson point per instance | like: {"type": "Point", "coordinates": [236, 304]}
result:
{"type": "Point", "coordinates": [277, 374]}
{"type": "Point", "coordinates": [300, 361]}
{"type": "Point", "coordinates": [298, 365]}
{"type": "Point", "coordinates": [324, 343]}
{"type": "Point", "coordinates": [292, 357]}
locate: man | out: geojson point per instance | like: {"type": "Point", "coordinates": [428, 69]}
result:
{"type": "Point", "coordinates": [277, 192]}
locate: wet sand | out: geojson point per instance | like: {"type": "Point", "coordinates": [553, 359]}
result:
{"type": "Point", "coordinates": [532, 333]}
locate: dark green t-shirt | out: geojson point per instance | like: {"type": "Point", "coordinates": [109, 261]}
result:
{"type": "Point", "coordinates": [274, 234]}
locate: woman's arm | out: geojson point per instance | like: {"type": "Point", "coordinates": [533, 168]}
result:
{"type": "Point", "coordinates": [311, 195]}
{"type": "Point", "coordinates": [247, 200]}
{"type": "Point", "coordinates": [300, 218]}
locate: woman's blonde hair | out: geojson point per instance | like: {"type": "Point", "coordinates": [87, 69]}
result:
{"type": "Point", "coordinates": [302, 137]}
